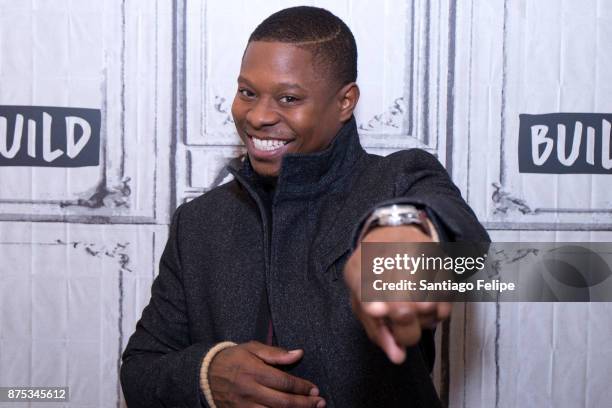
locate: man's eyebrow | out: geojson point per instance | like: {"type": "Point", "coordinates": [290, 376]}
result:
{"type": "Point", "coordinates": [289, 85]}
{"type": "Point", "coordinates": [283, 85]}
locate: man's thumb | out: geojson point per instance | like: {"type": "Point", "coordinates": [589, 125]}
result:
{"type": "Point", "coordinates": [276, 355]}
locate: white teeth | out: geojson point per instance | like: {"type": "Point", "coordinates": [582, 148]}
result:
{"type": "Point", "coordinates": [267, 145]}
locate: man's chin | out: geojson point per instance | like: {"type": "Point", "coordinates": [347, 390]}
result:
{"type": "Point", "coordinates": [266, 169]}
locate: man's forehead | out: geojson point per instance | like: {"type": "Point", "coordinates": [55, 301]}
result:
{"type": "Point", "coordinates": [289, 65]}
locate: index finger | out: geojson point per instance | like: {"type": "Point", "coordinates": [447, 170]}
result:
{"type": "Point", "coordinates": [279, 380]}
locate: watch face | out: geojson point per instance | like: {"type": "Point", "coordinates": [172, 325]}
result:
{"type": "Point", "coordinates": [397, 215]}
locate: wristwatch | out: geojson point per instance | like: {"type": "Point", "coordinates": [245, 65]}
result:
{"type": "Point", "coordinates": [396, 215]}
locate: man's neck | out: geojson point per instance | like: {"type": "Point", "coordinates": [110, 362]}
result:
{"type": "Point", "coordinates": [268, 183]}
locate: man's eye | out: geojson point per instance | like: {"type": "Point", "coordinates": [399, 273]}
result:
{"type": "Point", "coordinates": [288, 99]}
{"type": "Point", "coordinates": [246, 93]}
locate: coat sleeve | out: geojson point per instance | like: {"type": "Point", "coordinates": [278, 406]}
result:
{"type": "Point", "coordinates": [161, 368]}
{"type": "Point", "coordinates": [425, 182]}
{"type": "Point", "coordinates": [422, 181]}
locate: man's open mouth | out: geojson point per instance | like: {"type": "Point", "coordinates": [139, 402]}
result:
{"type": "Point", "coordinates": [268, 145]}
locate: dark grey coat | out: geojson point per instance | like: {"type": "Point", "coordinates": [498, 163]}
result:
{"type": "Point", "coordinates": [223, 250]}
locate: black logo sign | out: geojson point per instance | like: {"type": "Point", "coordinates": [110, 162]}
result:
{"type": "Point", "coordinates": [561, 143]}
{"type": "Point", "coordinates": [49, 136]}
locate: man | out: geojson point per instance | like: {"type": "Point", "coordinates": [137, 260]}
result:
{"type": "Point", "coordinates": [250, 307]}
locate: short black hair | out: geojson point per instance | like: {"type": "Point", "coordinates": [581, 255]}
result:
{"type": "Point", "coordinates": [319, 31]}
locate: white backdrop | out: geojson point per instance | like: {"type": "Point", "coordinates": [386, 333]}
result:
{"type": "Point", "coordinates": [80, 246]}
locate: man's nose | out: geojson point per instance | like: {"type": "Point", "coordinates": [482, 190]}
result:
{"type": "Point", "coordinates": [262, 114]}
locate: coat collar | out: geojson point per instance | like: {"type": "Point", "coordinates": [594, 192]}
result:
{"type": "Point", "coordinates": [312, 173]}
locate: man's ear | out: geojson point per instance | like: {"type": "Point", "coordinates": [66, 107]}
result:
{"type": "Point", "coordinates": [348, 96]}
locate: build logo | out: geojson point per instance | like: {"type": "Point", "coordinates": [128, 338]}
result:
{"type": "Point", "coordinates": [559, 143]}
{"type": "Point", "coordinates": [49, 136]}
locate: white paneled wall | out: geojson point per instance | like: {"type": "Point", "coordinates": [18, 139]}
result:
{"type": "Point", "coordinates": [70, 296]}
{"type": "Point", "coordinates": [80, 246]}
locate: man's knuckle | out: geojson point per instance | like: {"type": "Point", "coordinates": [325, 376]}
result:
{"type": "Point", "coordinates": [268, 379]}
{"type": "Point", "coordinates": [287, 382]}
{"type": "Point", "coordinates": [247, 390]}
{"type": "Point", "coordinates": [251, 345]}
{"type": "Point", "coordinates": [412, 338]}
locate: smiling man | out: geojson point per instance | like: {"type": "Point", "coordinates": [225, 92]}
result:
{"type": "Point", "coordinates": [257, 298]}
{"type": "Point", "coordinates": [288, 101]}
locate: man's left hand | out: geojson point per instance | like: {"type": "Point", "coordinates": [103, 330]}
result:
{"type": "Point", "coordinates": [392, 325]}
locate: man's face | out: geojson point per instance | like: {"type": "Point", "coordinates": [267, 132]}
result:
{"type": "Point", "coordinates": [283, 105]}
